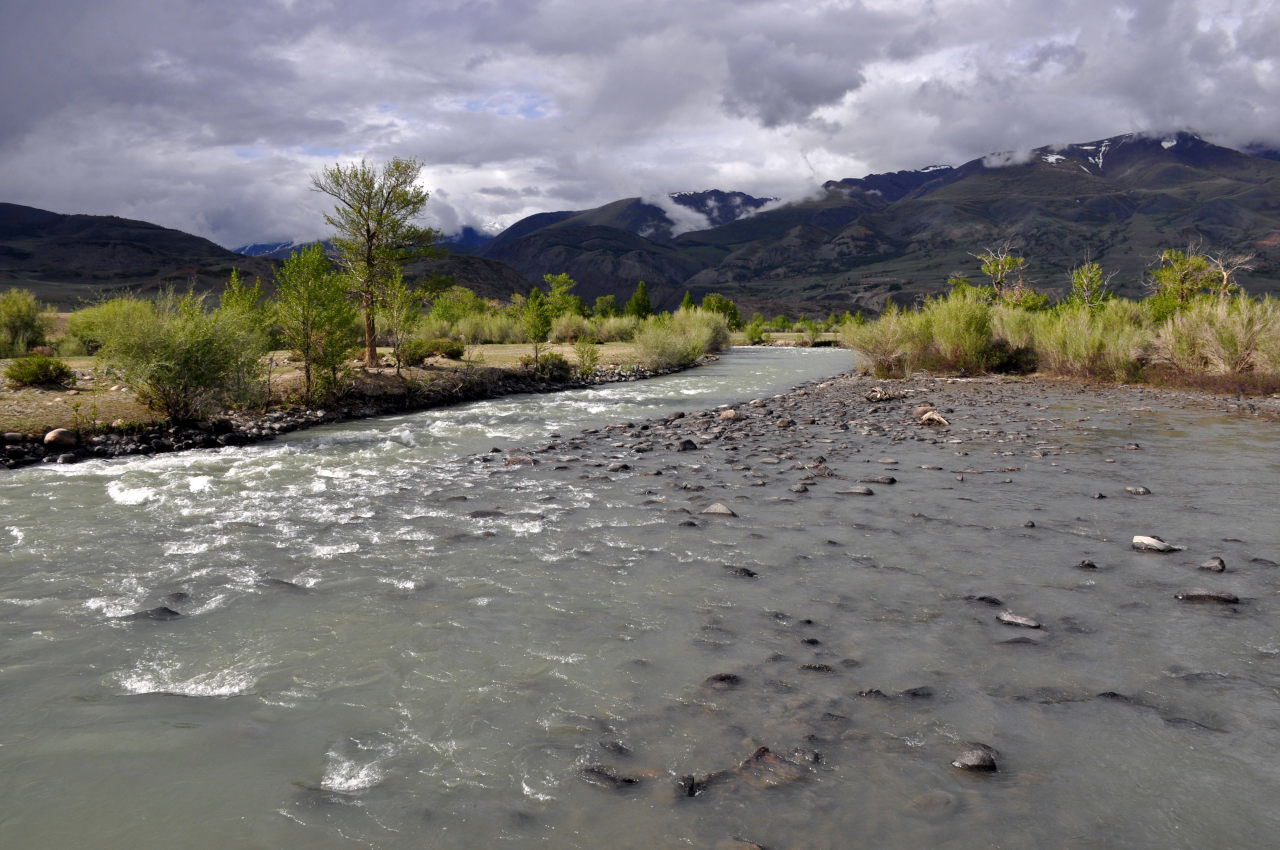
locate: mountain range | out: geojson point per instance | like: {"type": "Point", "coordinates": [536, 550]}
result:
{"type": "Point", "coordinates": [851, 245]}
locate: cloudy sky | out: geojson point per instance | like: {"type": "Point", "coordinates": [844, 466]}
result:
{"type": "Point", "coordinates": [210, 116]}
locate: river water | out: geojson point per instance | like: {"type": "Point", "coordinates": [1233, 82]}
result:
{"type": "Point", "coordinates": [393, 636]}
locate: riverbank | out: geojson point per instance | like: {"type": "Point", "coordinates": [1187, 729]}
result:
{"type": "Point", "coordinates": [378, 392]}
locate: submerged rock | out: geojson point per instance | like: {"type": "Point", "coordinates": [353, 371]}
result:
{"type": "Point", "coordinates": [1200, 594]}
{"type": "Point", "coordinates": [718, 509]}
{"type": "Point", "coordinates": [1011, 619]}
{"type": "Point", "coordinates": [1214, 564]}
{"type": "Point", "coordinates": [979, 758]}
{"type": "Point", "coordinates": [163, 612]}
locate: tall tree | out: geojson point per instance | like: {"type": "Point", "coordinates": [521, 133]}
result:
{"type": "Point", "coordinates": [639, 305]}
{"type": "Point", "coordinates": [374, 230]}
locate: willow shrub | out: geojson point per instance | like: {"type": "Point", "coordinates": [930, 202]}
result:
{"type": "Point", "coordinates": [568, 327]}
{"type": "Point", "coordinates": [614, 328]}
{"type": "Point", "coordinates": [1228, 336]}
{"type": "Point", "coordinates": [672, 341]}
{"type": "Point", "coordinates": [24, 323]}
{"type": "Point", "coordinates": [956, 334]}
{"type": "Point", "coordinates": [888, 343]}
{"type": "Point", "coordinates": [1108, 342]}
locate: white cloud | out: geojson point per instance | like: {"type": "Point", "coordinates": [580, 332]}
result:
{"type": "Point", "coordinates": [210, 117]}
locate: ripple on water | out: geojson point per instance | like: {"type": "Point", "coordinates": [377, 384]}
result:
{"type": "Point", "coordinates": [160, 673]}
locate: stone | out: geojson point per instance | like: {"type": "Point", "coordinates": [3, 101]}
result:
{"type": "Point", "coordinates": [979, 759]}
{"type": "Point", "coordinates": [161, 613]}
{"type": "Point", "coordinates": [1011, 619]}
{"type": "Point", "coordinates": [687, 446]}
{"type": "Point", "coordinates": [856, 491]}
{"type": "Point", "coordinates": [1200, 594]}
{"type": "Point", "coordinates": [618, 466]}
{"type": "Point", "coordinates": [61, 438]}
{"type": "Point", "coordinates": [604, 776]}
{"type": "Point", "coordinates": [933, 417]}
{"type": "Point", "coordinates": [1214, 564]}
{"type": "Point", "coordinates": [1137, 491]}
{"type": "Point", "coordinates": [718, 509]}
{"type": "Point", "coordinates": [1151, 543]}
{"type": "Point", "coordinates": [729, 415]}
{"type": "Point", "coordinates": [1086, 564]}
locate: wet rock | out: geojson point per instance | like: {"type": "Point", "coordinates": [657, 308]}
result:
{"type": "Point", "coordinates": [766, 769]}
{"type": "Point", "coordinates": [933, 805]}
{"type": "Point", "coordinates": [979, 758]}
{"type": "Point", "coordinates": [618, 466]}
{"type": "Point", "coordinates": [1214, 564]}
{"type": "Point", "coordinates": [161, 613]}
{"type": "Point", "coordinates": [604, 776]}
{"type": "Point", "coordinates": [933, 417]}
{"type": "Point", "coordinates": [718, 509]}
{"type": "Point", "coordinates": [878, 479]}
{"type": "Point", "coordinates": [742, 572]}
{"type": "Point", "coordinates": [1011, 619]}
{"type": "Point", "coordinates": [485, 514]}
{"type": "Point", "coordinates": [722, 681]}
{"type": "Point", "coordinates": [693, 786]}
{"type": "Point", "coordinates": [1201, 594]}
{"type": "Point", "coordinates": [922, 692]}
{"type": "Point", "coordinates": [1029, 524]}
{"type": "Point", "coordinates": [798, 488]}
{"type": "Point", "coordinates": [729, 415]}
{"type": "Point", "coordinates": [817, 668]}
{"type": "Point", "coordinates": [687, 446]}
{"type": "Point", "coordinates": [1086, 564]}
{"type": "Point", "coordinates": [281, 584]}
{"type": "Point", "coordinates": [1151, 543]}
{"type": "Point", "coordinates": [856, 491]}
{"type": "Point", "coordinates": [985, 598]}
{"type": "Point", "coordinates": [519, 460]}
{"type": "Point", "coordinates": [1137, 491]}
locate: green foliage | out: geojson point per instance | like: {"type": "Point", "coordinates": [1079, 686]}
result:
{"type": "Point", "coordinates": [755, 331]}
{"type": "Point", "coordinates": [456, 303]}
{"type": "Point", "coordinates": [1220, 336]}
{"type": "Point", "coordinates": [399, 312]}
{"type": "Point", "coordinates": [560, 298]}
{"type": "Point", "coordinates": [678, 340]}
{"type": "Point", "coordinates": [1089, 286]}
{"type": "Point", "coordinates": [551, 366]}
{"type": "Point", "coordinates": [39, 370]}
{"type": "Point", "coordinates": [535, 320]}
{"type": "Point", "coordinates": [810, 332]}
{"type": "Point", "coordinates": [1003, 268]}
{"type": "Point", "coordinates": [717, 303]}
{"type": "Point", "coordinates": [92, 326]}
{"type": "Point", "coordinates": [315, 317]}
{"type": "Point", "coordinates": [615, 328]}
{"type": "Point", "coordinates": [188, 363]}
{"type": "Point", "coordinates": [568, 327]}
{"type": "Point", "coordinates": [415, 352]}
{"type": "Point", "coordinates": [884, 343]}
{"type": "Point", "coordinates": [588, 355]}
{"type": "Point", "coordinates": [606, 306]}
{"type": "Point", "coordinates": [23, 322]}
{"type": "Point", "coordinates": [780, 323]}
{"type": "Point", "coordinates": [1181, 276]}
{"type": "Point", "coordinates": [1108, 342]}
{"type": "Point", "coordinates": [638, 306]}
{"type": "Point", "coordinates": [373, 230]}
{"type": "Point", "coordinates": [687, 303]}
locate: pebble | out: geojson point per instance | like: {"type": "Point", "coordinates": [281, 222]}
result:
{"type": "Point", "coordinates": [1011, 619]}
{"type": "Point", "coordinates": [1214, 564]}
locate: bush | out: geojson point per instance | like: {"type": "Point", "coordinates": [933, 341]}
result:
{"type": "Point", "coordinates": [672, 342]}
{"type": "Point", "coordinates": [959, 331]}
{"type": "Point", "coordinates": [588, 355]}
{"type": "Point", "coordinates": [187, 363]}
{"type": "Point", "coordinates": [755, 332]}
{"type": "Point", "coordinates": [1220, 336]}
{"type": "Point", "coordinates": [1107, 342]}
{"type": "Point", "coordinates": [23, 323]}
{"type": "Point", "coordinates": [92, 326]}
{"type": "Point", "coordinates": [615, 328]}
{"type": "Point", "coordinates": [39, 370]}
{"type": "Point", "coordinates": [884, 343]}
{"type": "Point", "coordinates": [550, 365]}
{"type": "Point", "coordinates": [415, 352]}
{"type": "Point", "coordinates": [568, 327]}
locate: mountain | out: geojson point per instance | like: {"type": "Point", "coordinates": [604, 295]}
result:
{"type": "Point", "coordinates": [67, 259]}
{"type": "Point", "coordinates": [274, 250]}
{"type": "Point", "coordinates": [857, 241]}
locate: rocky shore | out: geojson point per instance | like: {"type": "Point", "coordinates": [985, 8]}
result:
{"type": "Point", "coordinates": [64, 445]}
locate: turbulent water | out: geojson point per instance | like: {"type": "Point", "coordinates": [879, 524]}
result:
{"type": "Point", "coordinates": [391, 636]}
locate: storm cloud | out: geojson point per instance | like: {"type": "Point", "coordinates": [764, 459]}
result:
{"type": "Point", "coordinates": [211, 117]}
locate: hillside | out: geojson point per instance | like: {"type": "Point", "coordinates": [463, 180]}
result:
{"type": "Point", "coordinates": [1119, 201]}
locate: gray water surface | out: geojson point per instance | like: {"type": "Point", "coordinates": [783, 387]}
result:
{"type": "Point", "coordinates": [392, 637]}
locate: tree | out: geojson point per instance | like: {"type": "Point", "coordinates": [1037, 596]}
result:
{"type": "Point", "coordinates": [639, 305]}
{"type": "Point", "coordinates": [1181, 275]}
{"type": "Point", "coordinates": [717, 303]}
{"type": "Point", "coordinates": [1226, 266]}
{"type": "Point", "coordinates": [316, 318]}
{"type": "Point", "coordinates": [688, 302]}
{"type": "Point", "coordinates": [535, 319]}
{"type": "Point", "coordinates": [373, 230]}
{"type": "Point", "coordinates": [399, 311]}
{"type": "Point", "coordinates": [606, 306]}
{"type": "Point", "coordinates": [1000, 264]}
{"type": "Point", "coordinates": [1089, 286]}
{"type": "Point", "coordinates": [561, 300]}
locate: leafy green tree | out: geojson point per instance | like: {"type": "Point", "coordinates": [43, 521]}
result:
{"type": "Point", "coordinates": [606, 306]}
{"type": "Point", "coordinates": [399, 312]}
{"type": "Point", "coordinates": [315, 316]}
{"type": "Point", "coordinates": [241, 306]}
{"type": "Point", "coordinates": [1090, 288]}
{"type": "Point", "coordinates": [1182, 275]}
{"type": "Point", "coordinates": [1004, 268]}
{"type": "Point", "coordinates": [561, 300]}
{"type": "Point", "coordinates": [717, 303]}
{"type": "Point", "coordinates": [688, 303]}
{"type": "Point", "coordinates": [456, 303]}
{"type": "Point", "coordinates": [374, 233]}
{"type": "Point", "coordinates": [780, 323]}
{"type": "Point", "coordinates": [639, 305]}
{"type": "Point", "coordinates": [535, 319]}
{"type": "Point", "coordinates": [23, 322]}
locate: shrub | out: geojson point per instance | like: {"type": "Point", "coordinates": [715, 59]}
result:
{"type": "Point", "coordinates": [671, 342]}
{"type": "Point", "coordinates": [959, 331]}
{"type": "Point", "coordinates": [549, 365]}
{"type": "Point", "coordinates": [884, 343]}
{"type": "Point", "coordinates": [588, 355]}
{"type": "Point", "coordinates": [1219, 336]}
{"type": "Point", "coordinates": [187, 363]}
{"type": "Point", "coordinates": [23, 323]}
{"type": "Point", "coordinates": [615, 328]}
{"type": "Point", "coordinates": [415, 351]}
{"type": "Point", "coordinates": [39, 370]}
{"type": "Point", "coordinates": [92, 326]}
{"type": "Point", "coordinates": [568, 327]}
{"type": "Point", "coordinates": [755, 332]}
{"type": "Point", "coordinates": [1107, 342]}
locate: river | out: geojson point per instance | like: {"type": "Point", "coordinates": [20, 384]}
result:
{"type": "Point", "coordinates": [400, 633]}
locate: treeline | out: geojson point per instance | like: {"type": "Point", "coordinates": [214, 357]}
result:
{"type": "Point", "coordinates": [187, 356]}
{"type": "Point", "coordinates": [1196, 327]}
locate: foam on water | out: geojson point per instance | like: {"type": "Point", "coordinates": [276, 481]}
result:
{"type": "Point", "coordinates": [161, 674]}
